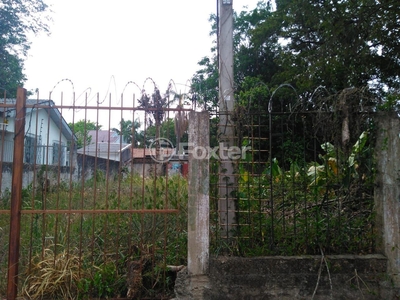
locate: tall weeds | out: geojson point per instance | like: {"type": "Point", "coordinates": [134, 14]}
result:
{"type": "Point", "coordinates": [84, 255]}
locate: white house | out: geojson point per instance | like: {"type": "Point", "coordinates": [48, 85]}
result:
{"type": "Point", "coordinates": [47, 135]}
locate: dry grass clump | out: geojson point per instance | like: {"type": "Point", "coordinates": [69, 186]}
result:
{"type": "Point", "coordinates": [53, 276]}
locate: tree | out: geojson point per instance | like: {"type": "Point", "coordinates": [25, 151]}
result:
{"type": "Point", "coordinates": [130, 132]}
{"type": "Point", "coordinates": [339, 44]}
{"type": "Point", "coordinates": [11, 75]}
{"type": "Point", "coordinates": [155, 106]}
{"type": "Point", "coordinates": [18, 18]}
{"type": "Point", "coordinates": [81, 130]}
{"type": "Point", "coordinates": [254, 55]}
{"type": "Point", "coordinates": [336, 44]}
{"type": "Point", "coordinates": [205, 84]}
{"type": "Point", "coordinates": [306, 45]}
{"type": "Point", "coordinates": [167, 131]}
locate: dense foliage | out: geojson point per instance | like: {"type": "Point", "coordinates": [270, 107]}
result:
{"type": "Point", "coordinates": [337, 45]}
{"type": "Point", "coordinates": [307, 208]}
{"type": "Point", "coordinates": [307, 74]}
{"type": "Point", "coordinates": [18, 19]}
{"type": "Point", "coordinates": [130, 132]}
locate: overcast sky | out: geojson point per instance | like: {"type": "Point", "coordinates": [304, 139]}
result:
{"type": "Point", "coordinates": [104, 44]}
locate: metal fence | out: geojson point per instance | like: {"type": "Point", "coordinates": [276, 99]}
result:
{"type": "Point", "coordinates": [95, 222]}
{"type": "Point", "coordinates": [304, 184]}
{"type": "Point", "coordinates": [105, 214]}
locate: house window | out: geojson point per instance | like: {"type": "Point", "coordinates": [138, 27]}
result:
{"type": "Point", "coordinates": [29, 151]}
{"type": "Point", "coordinates": [59, 150]}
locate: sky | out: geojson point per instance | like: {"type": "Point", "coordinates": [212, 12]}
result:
{"type": "Point", "coordinates": [103, 45]}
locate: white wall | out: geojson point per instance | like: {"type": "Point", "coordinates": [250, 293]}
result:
{"type": "Point", "coordinates": [37, 124]}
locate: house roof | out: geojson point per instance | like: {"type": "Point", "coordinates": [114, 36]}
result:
{"type": "Point", "coordinates": [104, 136]}
{"type": "Point", "coordinates": [111, 151]}
{"type": "Point", "coordinates": [47, 105]}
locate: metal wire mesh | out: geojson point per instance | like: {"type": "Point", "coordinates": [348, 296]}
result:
{"type": "Point", "coordinates": [299, 187]}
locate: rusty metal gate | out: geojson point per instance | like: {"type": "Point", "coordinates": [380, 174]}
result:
{"type": "Point", "coordinates": [93, 200]}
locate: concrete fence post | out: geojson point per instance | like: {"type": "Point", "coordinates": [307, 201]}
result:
{"type": "Point", "coordinates": [198, 203]}
{"type": "Point", "coordinates": [387, 193]}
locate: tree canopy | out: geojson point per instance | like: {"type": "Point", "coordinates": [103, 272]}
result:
{"type": "Point", "coordinates": [18, 19]}
{"type": "Point", "coordinates": [81, 130]}
{"type": "Point", "coordinates": [307, 44]}
{"type": "Point", "coordinates": [167, 131]}
{"type": "Point", "coordinates": [130, 132]}
{"type": "Point", "coordinates": [339, 44]}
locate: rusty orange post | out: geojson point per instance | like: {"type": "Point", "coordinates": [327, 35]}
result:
{"type": "Point", "coordinates": [16, 195]}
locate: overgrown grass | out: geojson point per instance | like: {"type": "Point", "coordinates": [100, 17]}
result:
{"type": "Point", "coordinates": [86, 255]}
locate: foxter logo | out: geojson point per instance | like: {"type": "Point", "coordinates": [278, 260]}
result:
{"type": "Point", "coordinates": [161, 150]}
{"type": "Point", "coordinates": [222, 152]}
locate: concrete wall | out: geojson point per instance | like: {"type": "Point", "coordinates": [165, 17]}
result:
{"type": "Point", "coordinates": [28, 176]}
{"type": "Point", "coordinates": [293, 277]}
{"type": "Point", "coordinates": [298, 277]}
{"type": "Point", "coordinates": [387, 192]}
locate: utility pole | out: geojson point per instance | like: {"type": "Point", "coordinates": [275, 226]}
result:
{"type": "Point", "coordinates": [226, 131]}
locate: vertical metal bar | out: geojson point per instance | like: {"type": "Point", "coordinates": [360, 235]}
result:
{"type": "Point", "coordinates": [16, 195]}
{"type": "Point", "coordinates": [132, 174]}
{"type": "Point", "coordinates": [305, 232]}
{"type": "Point", "coordinates": [3, 134]}
{"type": "Point", "coordinates": [95, 192]}
{"type": "Point", "coordinates": [34, 184]}
{"type": "Point", "coordinates": [272, 233]}
{"type": "Point", "coordinates": [120, 178]}
{"type": "Point", "coordinates": [49, 161]}
{"type": "Point", "coordinates": [283, 167]}
{"type": "Point", "coordinates": [107, 179]}
{"type": "Point", "coordinates": [59, 169]}
{"type": "Point", "coordinates": [259, 117]}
